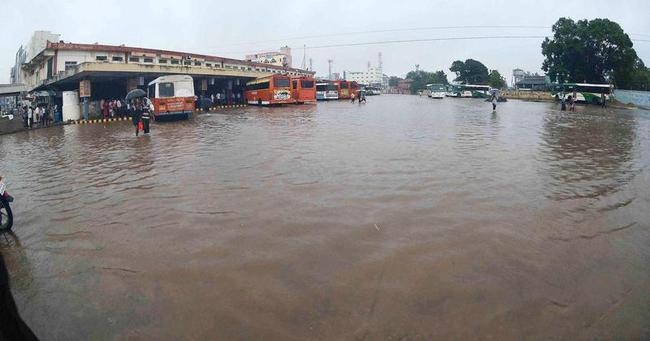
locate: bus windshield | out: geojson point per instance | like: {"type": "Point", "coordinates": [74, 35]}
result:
{"type": "Point", "coordinates": [307, 84]}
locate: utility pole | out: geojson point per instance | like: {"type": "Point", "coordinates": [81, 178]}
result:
{"type": "Point", "coordinates": [304, 56]}
{"type": "Point", "coordinates": [311, 68]}
{"type": "Point", "coordinates": [329, 62]}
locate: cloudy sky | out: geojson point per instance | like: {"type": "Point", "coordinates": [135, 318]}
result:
{"type": "Point", "coordinates": [235, 28]}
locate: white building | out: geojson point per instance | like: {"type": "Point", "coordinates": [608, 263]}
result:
{"type": "Point", "coordinates": [36, 44]}
{"type": "Point", "coordinates": [278, 58]}
{"type": "Point", "coordinates": [373, 77]}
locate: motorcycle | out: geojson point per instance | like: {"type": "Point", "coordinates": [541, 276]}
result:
{"type": "Point", "coordinates": [6, 216]}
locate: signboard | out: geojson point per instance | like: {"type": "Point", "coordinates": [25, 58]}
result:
{"type": "Point", "coordinates": [84, 88]}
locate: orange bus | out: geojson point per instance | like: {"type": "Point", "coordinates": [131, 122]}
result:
{"type": "Point", "coordinates": [303, 89]}
{"type": "Point", "coordinates": [172, 96]}
{"type": "Point", "coordinates": [344, 89]}
{"type": "Point", "coordinates": [269, 90]}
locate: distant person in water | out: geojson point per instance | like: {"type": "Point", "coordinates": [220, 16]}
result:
{"type": "Point", "coordinates": [562, 102]}
{"type": "Point", "coordinates": [494, 101]}
{"type": "Point", "coordinates": [362, 97]}
{"type": "Point", "coordinates": [572, 103]}
{"type": "Point", "coordinates": [352, 96]}
{"type": "Point", "coordinates": [602, 100]}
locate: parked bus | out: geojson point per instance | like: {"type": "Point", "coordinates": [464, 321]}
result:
{"type": "Point", "coordinates": [269, 90]}
{"type": "Point", "coordinates": [343, 87]}
{"type": "Point", "coordinates": [303, 89]}
{"type": "Point", "coordinates": [172, 96]}
{"type": "Point", "coordinates": [373, 90]}
{"type": "Point", "coordinates": [470, 90]}
{"type": "Point", "coordinates": [326, 90]}
{"type": "Point", "coordinates": [582, 92]}
{"type": "Point", "coordinates": [436, 90]}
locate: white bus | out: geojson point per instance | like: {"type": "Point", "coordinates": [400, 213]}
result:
{"type": "Point", "coordinates": [326, 91]}
{"type": "Point", "coordinates": [582, 92]}
{"type": "Point", "coordinates": [436, 90]}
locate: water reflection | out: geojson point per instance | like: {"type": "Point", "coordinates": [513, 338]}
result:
{"type": "Point", "coordinates": [587, 154]}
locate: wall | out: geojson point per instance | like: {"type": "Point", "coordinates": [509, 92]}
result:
{"type": "Point", "coordinates": [639, 98]}
{"type": "Point", "coordinates": [82, 57]}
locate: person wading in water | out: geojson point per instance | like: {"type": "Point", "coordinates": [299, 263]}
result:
{"type": "Point", "coordinates": [146, 115]}
{"type": "Point", "coordinates": [136, 114]}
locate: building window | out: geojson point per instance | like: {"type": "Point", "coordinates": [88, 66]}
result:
{"type": "Point", "coordinates": [175, 61]}
{"type": "Point", "coordinates": [187, 62]}
{"type": "Point", "coordinates": [70, 64]}
{"type": "Point", "coordinates": [208, 64]}
{"type": "Point", "coordinates": [134, 59]}
{"type": "Point", "coordinates": [197, 63]}
{"type": "Point", "coordinates": [148, 60]}
{"type": "Point", "coordinates": [162, 61]}
{"type": "Point", "coordinates": [101, 58]}
{"type": "Point", "coordinates": [117, 59]}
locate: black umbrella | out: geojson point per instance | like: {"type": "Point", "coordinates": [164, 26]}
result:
{"type": "Point", "coordinates": [135, 93]}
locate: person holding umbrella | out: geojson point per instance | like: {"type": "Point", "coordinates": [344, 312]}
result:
{"type": "Point", "coordinates": [136, 95]}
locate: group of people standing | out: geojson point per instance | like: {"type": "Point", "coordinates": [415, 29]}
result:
{"type": "Point", "coordinates": [112, 108]}
{"type": "Point", "coordinates": [38, 115]}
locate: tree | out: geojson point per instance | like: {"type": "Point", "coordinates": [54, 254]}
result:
{"type": "Point", "coordinates": [470, 71]}
{"type": "Point", "coordinates": [495, 80]}
{"type": "Point", "coordinates": [392, 81]}
{"type": "Point", "coordinates": [421, 78]}
{"type": "Point", "coordinates": [640, 79]}
{"type": "Point", "coordinates": [595, 51]}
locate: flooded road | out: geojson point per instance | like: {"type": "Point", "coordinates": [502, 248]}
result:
{"type": "Point", "coordinates": [405, 218]}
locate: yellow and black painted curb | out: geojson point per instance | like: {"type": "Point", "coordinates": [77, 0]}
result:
{"type": "Point", "coordinates": [100, 120]}
{"type": "Point", "coordinates": [219, 107]}
{"type": "Point", "coordinates": [117, 119]}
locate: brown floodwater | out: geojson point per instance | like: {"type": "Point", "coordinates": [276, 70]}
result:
{"type": "Point", "coordinates": [405, 218]}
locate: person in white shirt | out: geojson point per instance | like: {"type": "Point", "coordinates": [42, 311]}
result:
{"type": "Point", "coordinates": [30, 116]}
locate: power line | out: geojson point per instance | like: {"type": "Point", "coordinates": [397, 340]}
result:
{"type": "Point", "coordinates": [385, 42]}
{"type": "Point", "coordinates": [394, 30]}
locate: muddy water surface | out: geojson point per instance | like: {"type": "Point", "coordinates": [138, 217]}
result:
{"type": "Point", "coordinates": [405, 218]}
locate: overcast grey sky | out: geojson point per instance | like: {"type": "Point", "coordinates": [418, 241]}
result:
{"type": "Point", "coordinates": [235, 28]}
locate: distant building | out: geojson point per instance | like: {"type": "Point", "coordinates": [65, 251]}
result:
{"type": "Point", "coordinates": [36, 44]}
{"type": "Point", "coordinates": [373, 77]}
{"type": "Point", "coordinates": [278, 58]}
{"type": "Point", "coordinates": [530, 81]}
{"type": "Point", "coordinates": [539, 83]}
{"type": "Point", "coordinates": [517, 76]}
{"type": "Point", "coordinates": [404, 85]}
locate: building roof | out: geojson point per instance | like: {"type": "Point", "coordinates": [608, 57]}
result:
{"type": "Point", "coordinates": [62, 46]}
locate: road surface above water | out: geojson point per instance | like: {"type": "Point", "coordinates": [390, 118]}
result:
{"type": "Point", "coordinates": [405, 218]}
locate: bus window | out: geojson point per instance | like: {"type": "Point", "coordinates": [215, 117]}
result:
{"type": "Point", "coordinates": [151, 91]}
{"type": "Point", "coordinates": [295, 84]}
{"type": "Point", "coordinates": [166, 90]}
{"type": "Point", "coordinates": [281, 82]}
{"type": "Point", "coordinates": [307, 84]}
